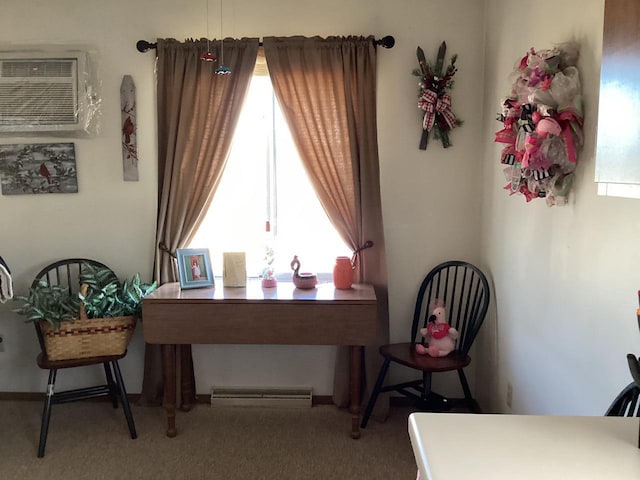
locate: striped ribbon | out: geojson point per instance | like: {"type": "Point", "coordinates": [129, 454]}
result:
{"type": "Point", "coordinates": [434, 105]}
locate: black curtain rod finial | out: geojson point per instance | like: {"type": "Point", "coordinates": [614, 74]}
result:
{"type": "Point", "coordinates": [386, 42]}
{"type": "Point", "coordinates": [144, 46]}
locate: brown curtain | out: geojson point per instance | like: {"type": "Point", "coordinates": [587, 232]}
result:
{"type": "Point", "coordinates": [197, 114]}
{"type": "Point", "coordinates": [327, 91]}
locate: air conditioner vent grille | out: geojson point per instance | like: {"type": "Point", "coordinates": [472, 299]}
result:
{"type": "Point", "coordinates": [41, 94]}
{"type": "Point", "coordinates": [37, 103]}
{"type": "Point", "coordinates": [37, 68]}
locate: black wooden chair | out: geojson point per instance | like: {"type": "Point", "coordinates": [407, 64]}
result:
{"type": "Point", "coordinates": [66, 273]}
{"type": "Point", "coordinates": [627, 403]}
{"type": "Point", "coordinates": [465, 292]}
{"type": "Point", "coordinates": [634, 367]}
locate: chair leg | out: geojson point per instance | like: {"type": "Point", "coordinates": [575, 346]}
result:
{"type": "Point", "coordinates": [46, 413]}
{"type": "Point", "coordinates": [124, 400]}
{"type": "Point", "coordinates": [430, 401]}
{"type": "Point", "coordinates": [375, 393]}
{"type": "Point", "coordinates": [471, 403]}
{"type": "Point", "coordinates": [426, 386]}
{"type": "Point", "coordinates": [113, 390]}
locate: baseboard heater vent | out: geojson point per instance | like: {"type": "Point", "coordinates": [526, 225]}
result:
{"type": "Point", "coordinates": [261, 396]}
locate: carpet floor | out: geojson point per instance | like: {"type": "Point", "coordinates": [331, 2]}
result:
{"type": "Point", "coordinates": [90, 440]}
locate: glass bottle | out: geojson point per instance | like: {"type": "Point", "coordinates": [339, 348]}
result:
{"type": "Point", "coordinates": [343, 273]}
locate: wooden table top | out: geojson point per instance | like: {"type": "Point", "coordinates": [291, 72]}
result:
{"type": "Point", "coordinates": [253, 292]}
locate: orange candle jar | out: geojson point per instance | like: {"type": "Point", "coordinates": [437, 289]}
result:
{"type": "Point", "coordinates": [343, 273]}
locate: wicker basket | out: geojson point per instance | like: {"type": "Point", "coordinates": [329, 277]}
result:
{"type": "Point", "coordinates": [82, 338]}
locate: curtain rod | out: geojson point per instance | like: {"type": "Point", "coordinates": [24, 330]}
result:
{"type": "Point", "coordinates": [386, 42]}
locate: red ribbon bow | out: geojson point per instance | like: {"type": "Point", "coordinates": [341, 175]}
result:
{"type": "Point", "coordinates": [566, 119]}
{"type": "Point", "coordinates": [433, 105]}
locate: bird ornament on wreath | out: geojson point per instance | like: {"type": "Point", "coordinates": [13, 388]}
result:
{"type": "Point", "coordinates": [434, 98]}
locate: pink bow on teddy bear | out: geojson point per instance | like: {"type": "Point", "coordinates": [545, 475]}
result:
{"type": "Point", "coordinates": [439, 336]}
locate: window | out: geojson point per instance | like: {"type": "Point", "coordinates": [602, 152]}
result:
{"type": "Point", "coordinates": [264, 181]}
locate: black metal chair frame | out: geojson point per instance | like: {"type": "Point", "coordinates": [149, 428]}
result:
{"type": "Point", "coordinates": [65, 272]}
{"type": "Point", "coordinates": [466, 295]}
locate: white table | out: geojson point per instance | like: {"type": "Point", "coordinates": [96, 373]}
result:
{"type": "Point", "coordinates": [450, 446]}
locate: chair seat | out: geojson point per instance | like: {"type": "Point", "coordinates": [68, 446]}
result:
{"type": "Point", "coordinates": [405, 354]}
{"type": "Point", "coordinates": [46, 364]}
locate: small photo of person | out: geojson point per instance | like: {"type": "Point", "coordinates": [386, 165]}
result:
{"type": "Point", "coordinates": [196, 272]}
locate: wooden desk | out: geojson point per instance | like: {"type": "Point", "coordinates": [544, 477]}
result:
{"type": "Point", "coordinates": [283, 315]}
{"type": "Point", "coordinates": [466, 446]}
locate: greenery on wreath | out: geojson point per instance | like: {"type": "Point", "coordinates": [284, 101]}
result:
{"type": "Point", "coordinates": [434, 99]}
{"type": "Point", "coordinates": [105, 297]}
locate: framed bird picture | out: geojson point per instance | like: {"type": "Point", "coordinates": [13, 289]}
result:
{"type": "Point", "coordinates": [38, 168]}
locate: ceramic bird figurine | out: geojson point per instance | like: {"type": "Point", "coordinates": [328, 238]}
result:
{"type": "Point", "coordinates": [304, 279]}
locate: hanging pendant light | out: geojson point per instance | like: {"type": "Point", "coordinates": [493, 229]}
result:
{"type": "Point", "coordinates": [208, 56]}
{"type": "Point", "coordinates": [222, 69]}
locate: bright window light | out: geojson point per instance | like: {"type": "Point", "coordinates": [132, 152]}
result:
{"type": "Point", "coordinates": [264, 180]}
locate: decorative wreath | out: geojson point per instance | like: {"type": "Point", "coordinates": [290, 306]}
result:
{"type": "Point", "coordinates": [434, 98]}
{"type": "Point", "coordinates": [542, 125]}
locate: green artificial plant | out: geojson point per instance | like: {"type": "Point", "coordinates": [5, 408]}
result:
{"type": "Point", "coordinates": [105, 297]}
{"type": "Point", "coordinates": [52, 303]}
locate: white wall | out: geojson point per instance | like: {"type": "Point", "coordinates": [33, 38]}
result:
{"type": "Point", "coordinates": [566, 277]}
{"type": "Point", "coordinates": [431, 199]}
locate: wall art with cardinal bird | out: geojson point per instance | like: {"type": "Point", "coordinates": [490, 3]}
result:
{"type": "Point", "coordinates": [38, 168]}
{"type": "Point", "coordinates": [129, 123]}
{"type": "Point", "coordinates": [434, 98]}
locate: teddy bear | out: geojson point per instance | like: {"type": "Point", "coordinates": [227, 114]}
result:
{"type": "Point", "coordinates": [440, 337]}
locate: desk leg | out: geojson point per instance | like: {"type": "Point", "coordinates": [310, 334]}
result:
{"type": "Point", "coordinates": [187, 380]}
{"type": "Point", "coordinates": [169, 370]}
{"type": "Point", "coordinates": [355, 375]}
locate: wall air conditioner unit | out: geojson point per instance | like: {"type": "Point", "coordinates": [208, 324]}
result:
{"type": "Point", "coordinates": [42, 92]}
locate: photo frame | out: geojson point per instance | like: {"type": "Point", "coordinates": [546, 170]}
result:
{"type": "Point", "coordinates": [194, 268]}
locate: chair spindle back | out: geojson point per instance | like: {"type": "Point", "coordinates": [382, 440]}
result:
{"type": "Point", "coordinates": [464, 292]}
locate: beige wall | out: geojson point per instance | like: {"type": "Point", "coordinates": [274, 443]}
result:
{"type": "Point", "coordinates": [565, 277]}
{"type": "Point", "coordinates": [431, 199]}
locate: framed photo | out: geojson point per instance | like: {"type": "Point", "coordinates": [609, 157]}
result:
{"type": "Point", "coordinates": [194, 268]}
